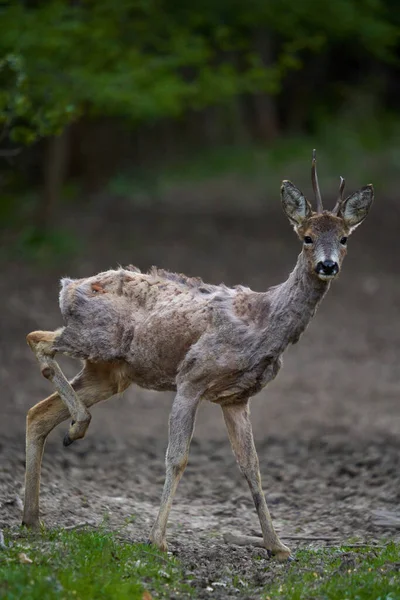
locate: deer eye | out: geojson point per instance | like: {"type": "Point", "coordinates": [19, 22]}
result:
{"type": "Point", "coordinates": [308, 239]}
{"type": "Point", "coordinates": [343, 240]}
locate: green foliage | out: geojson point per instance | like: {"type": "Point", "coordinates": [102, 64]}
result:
{"type": "Point", "coordinates": [25, 240]}
{"type": "Point", "coordinates": [365, 574]}
{"type": "Point", "coordinates": [45, 247]}
{"type": "Point", "coordinates": [85, 565]}
{"type": "Point", "coordinates": [147, 59]}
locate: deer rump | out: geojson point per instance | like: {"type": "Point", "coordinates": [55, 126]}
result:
{"type": "Point", "coordinates": [150, 321]}
{"type": "Point", "coordinates": [96, 318]}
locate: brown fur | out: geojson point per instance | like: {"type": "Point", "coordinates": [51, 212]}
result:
{"type": "Point", "coordinates": [167, 331]}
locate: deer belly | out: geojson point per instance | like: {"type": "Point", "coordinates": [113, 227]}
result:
{"type": "Point", "coordinates": [156, 354]}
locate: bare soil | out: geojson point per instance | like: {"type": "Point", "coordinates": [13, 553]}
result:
{"type": "Point", "coordinates": [327, 430]}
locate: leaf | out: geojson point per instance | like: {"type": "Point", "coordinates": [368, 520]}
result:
{"type": "Point", "coordinates": [24, 559]}
{"type": "Point", "coordinates": [148, 60]}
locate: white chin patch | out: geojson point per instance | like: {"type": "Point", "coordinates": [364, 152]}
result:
{"type": "Point", "coordinates": [326, 277]}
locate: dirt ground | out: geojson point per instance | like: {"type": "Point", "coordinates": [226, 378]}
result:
{"type": "Point", "coordinates": [327, 430]}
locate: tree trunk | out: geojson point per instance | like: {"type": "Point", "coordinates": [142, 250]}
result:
{"type": "Point", "coordinates": [265, 122]}
{"type": "Point", "coordinates": [55, 168]}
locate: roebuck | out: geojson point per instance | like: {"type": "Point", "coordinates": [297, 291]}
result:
{"type": "Point", "coordinates": [170, 332]}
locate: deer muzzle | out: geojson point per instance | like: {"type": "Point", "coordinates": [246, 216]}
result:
{"type": "Point", "coordinates": [327, 269]}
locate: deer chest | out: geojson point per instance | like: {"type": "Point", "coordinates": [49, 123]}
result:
{"type": "Point", "coordinates": [242, 384]}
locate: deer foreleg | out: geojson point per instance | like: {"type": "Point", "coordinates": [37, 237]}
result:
{"type": "Point", "coordinates": [41, 342]}
{"type": "Point", "coordinates": [181, 426]}
{"type": "Point", "coordinates": [240, 433]}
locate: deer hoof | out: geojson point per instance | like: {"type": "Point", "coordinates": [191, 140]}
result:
{"type": "Point", "coordinates": [161, 545]}
{"type": "Point", "coordinates": [67, 440]}
{"type": "Point", "coordinates": [281, 553]}
{"type": "Point", "coordinates": [283, 556]}
{"type": "Point", "coordinates": [291, 558]}
{"type": "Point", "coordinates": [33, 524]}
{"type": "Point", "coordinates": [77, 430]}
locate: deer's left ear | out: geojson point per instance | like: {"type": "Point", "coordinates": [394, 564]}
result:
{"type": "Point", "coordinates": [354, 208]}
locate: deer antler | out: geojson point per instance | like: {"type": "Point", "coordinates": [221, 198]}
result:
{"type": "Point", "coordinates": [340, 199]}
{"type": "Point", "coordinates": [314, 179]}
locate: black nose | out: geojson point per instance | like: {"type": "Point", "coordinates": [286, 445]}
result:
{"type": "Point", "coordinates": [328, 267]}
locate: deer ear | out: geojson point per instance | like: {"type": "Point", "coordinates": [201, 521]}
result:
{"type": "Point", "coordinates": [295, 205]}
{"type": "Point", "coordinates": [354, 208]}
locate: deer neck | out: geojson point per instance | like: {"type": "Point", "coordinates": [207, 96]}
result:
{"type": "Point", "coordinates": [292, 304]}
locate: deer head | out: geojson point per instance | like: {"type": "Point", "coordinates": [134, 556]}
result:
{"type": "Point", "coordinates": [324, 233]}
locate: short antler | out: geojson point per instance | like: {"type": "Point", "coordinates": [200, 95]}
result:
{"type": "Point", "coordinates": [314, 179]}
{"type": "Point", "coordinates": [340, 199]}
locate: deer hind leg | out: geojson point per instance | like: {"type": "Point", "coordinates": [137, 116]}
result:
{"type": "Point", "coordinates": [181, 426]}
{"type": "Point", "coordinates": [237, 420]}
{"type": "Point", "coordinates": [94, 383]}
{"type": "Point", "coordinates": [42, 344]}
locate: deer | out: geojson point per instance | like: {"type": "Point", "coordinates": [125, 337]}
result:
{"type": "Point", "coordinates": [169, 332]}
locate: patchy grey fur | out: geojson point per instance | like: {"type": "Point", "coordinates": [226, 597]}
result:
{"type": "Point", "coordinates": [169, 328]}
{"type": "Point", "coordinates": [166, 331]}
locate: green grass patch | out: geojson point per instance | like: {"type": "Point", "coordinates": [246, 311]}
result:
{"type": "Point", "coordinates": [85, 565]}
{"type": "Point", "coordinates": [367, 573]}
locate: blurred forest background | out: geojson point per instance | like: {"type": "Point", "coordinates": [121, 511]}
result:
{"type": "Point", "coordinates": [157, 132]}
{"type": "Point", "coordinates": [140, 102]}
